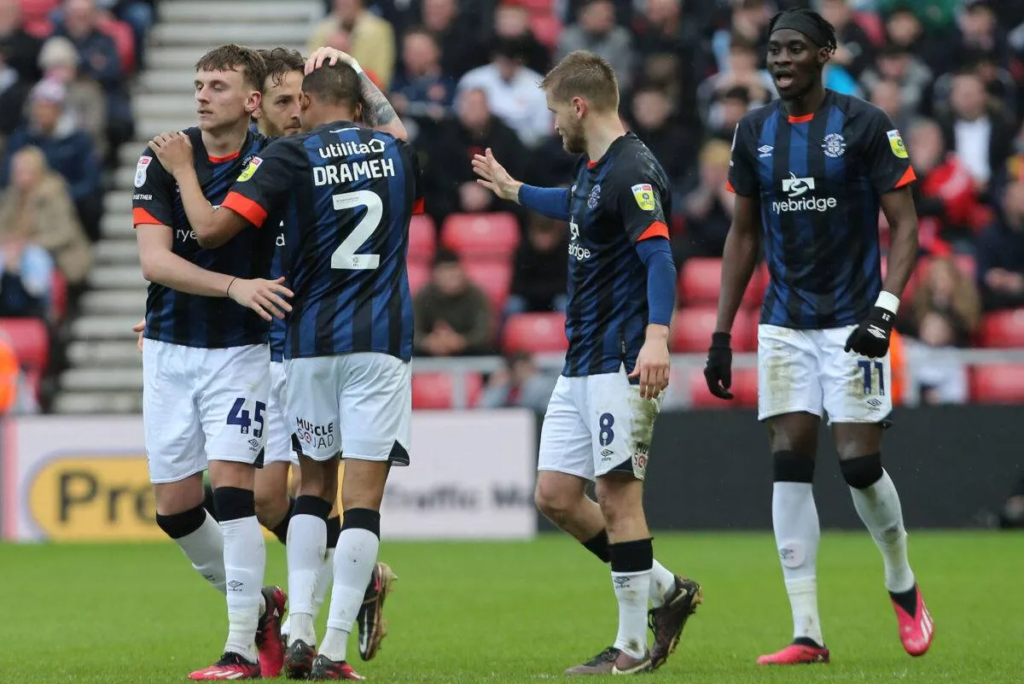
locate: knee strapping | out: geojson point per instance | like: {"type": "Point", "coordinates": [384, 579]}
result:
{"type": "Point", "coordinates": [789, 466]}
{"type": "Point", "coordinates": [312, 505]}
{"type": "Point", "coordinates": [178, 525]}
{"type": "Point", "coordinates": [234, 503]}
{"type": "Point", "coordinates": [363, 519]}
{"type": "Point", "coordinates": [863, 471]}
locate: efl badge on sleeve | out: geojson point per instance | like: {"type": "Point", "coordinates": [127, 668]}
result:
{"type": "Point", "coordinates": [141, 169]}
{"type": "Point", "coordinates": [250, 169]}
{"type": "Point", "coordinates": [644, 194]}
{"type": "Point", "coordinates": [896, 144]}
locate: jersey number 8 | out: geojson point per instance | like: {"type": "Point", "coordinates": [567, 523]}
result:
{"type": "Point", "coordinates": [345, 257]}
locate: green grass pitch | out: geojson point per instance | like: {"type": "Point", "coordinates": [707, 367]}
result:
{"type": "Point", "coordinates": [523, 612]}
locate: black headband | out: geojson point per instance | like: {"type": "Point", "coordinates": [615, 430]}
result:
{"type": "Point", "coordinates": [801, 23]}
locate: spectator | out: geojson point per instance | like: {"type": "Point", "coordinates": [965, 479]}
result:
{"type": "Point", "coordinates": [662, 34]}
{"type": "Point", "coordinates": [749, 23]}
{"type": "Point", "coordinates": [373, 39]}
{"type": "Point", "coordinates": [450, 181]}
{"type": "Point", "coordinates": [653, 122]}
{"type": "Point", "coordinates": [595, 30]}
{"type": "Point", "coordinates": [18, 48]}
{"type": "Point", "coordinates": [708, 208]}
{"type": "Point", "coordinates": [85, 101]}
{"type": "Point", "coordinates": [898, 64]}
{"type": "Point", "coordinates": [741, 71]}
{"type": "Point", "coordinates": [855, 50]}
{"type": "Point", "coordinates": [732, 106]}
{"type": "Point", "coordinates": [519, 384]}
{"type": "Point", "coordinates": [512, 22]}
{"type": "Point", "coordinates": [948, 292]}
{"type": "Point", "coordinates": [37, 205]}
{"type": "Point", "coordinates": [68, 151]}
{"type": "Point", "coordinates": [885, 94]}
{"type": "Point", "coordinates": [540, 277]}
{"type": "Point", "coordinates": [512, 92]}
{"type": "Point", "coordinates": [980, 135]}
{"type": "Point", "coordinates": [139, 15]}
{"type": "Point", "coordinates": [26, 272]}
{"type": "Point", "coordinates": [98, 59]}
{"type": "Point", "coordinates": [16, 396]}
{"type": "Point", "coordinates": [422, 90]}
{"type": "Point", "coordinates": [461, 49]}
{"type": "Point", "coordinates": [1000, 255]}
{"type": "Point", "coordinates": [939, 373]}
{"type": "Point", "coordinates": [14, 92]}
{"type": "Point", "coordinates": [453, 316]}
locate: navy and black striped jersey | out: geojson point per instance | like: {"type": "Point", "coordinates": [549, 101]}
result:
{"type": "Point", "coordinates": [819, 179]}
{"type": "Point", "coordinates": [347, 194]}
{"type": "Point", "coordinates": [191, 320]}
{"type": "Point", "coordinates": [278, 327]}
{"type": "Point", "coordinates": [615, 202]}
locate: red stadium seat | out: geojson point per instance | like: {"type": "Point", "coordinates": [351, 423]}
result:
{"type": "Point", "coordinates": [744, 390]}
{"type": "Point", "coordinates": [535, 332]}
{"type": "Point", "coordinates": [30, 340]}
{"type": "Point", "coordinates": [1003, 329]}
{"type": "Point", "coordinates": [422, 239]}
{"type": "Point", "coordinates": [124, 41]}
{"type": "Point", "coordinates": [40, 28]}
{"type": "Point", "coordinates": [546, 28]}
{"type": "Point", "coordinates": [419, 275]}
{"type": "Point", "coordinates": [700, 280]}
{"type": "Point", "coordinates": [1002, 384]}
{"type": "Point", "coordinates": [58, 295]}
{"type": "Point", "coordinates": [437, 390]}
{"type": "Point", "coordinates": [36, 10]}
{"type": "Point", "coordinates": [692, 328]}
{"type": "Point", "coordinates": [481, 235]}
{"type": "Point", "coordinates": [535, 6]}
{"type": "Point", "coordinates": [493, 277]}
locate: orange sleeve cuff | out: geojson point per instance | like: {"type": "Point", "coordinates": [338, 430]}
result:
{"type": "Point", "coordinates": [908, 177]}
{"type": "Point", "coordinates": [246, 208]}
{"type": "Point", "coordinates": [656, 229]}
{"type": "Point", "coordinates": [141, 217]}
{"type": "Point", "coordinates": [417, 207]}
{"type": "Point", "coordinates": [728, 186]}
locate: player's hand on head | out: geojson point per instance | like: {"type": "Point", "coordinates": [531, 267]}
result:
{"type": "Point", "coordinates": [174, 150]}
{"type": "Point", "coordinates": [718, 369]}
{"type": "Point", "coordinates": [653, 365]}
{"type": "Point", "coordinates": [329, 56]}
{"type": "Point", "coordinates": [140, 328]}
{"type": "Point", "coordinates": [494, 177]}
{"type": "Point", "coordinates": [265, 297]}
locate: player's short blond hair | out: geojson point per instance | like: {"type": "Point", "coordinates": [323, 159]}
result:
{"type": "Point", "coordinates": [586, 75]}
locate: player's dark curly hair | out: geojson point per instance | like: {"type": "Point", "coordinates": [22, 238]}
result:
{"type": "Point", "coordinates": [280, 62]}
{"type": "Point", "coordinates": [826, 30]}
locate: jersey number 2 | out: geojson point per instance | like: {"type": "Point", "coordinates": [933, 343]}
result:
{"type": "Point", "coordinates": [345, 257]}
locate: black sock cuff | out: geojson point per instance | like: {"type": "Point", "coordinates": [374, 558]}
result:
{"type": "Point", "coordinates": [208, 500]}
{"type": "Point", "coordinates": [334, 531]}
{"type": "Point", "coordinates": [281, 529]}
{"type": "Point", "coordinates": [789, 466]}
{"type": "Point", "coordinates": [178, 525]}
{"type": "Point", "coordinates": [362, 519]}
{"type": "Point", "coordinates": [599, 546]}
{"type": "Point", "coordinates": [863, 471]}
{"type": "Point", "coordinates": [632, 556]}
{"type": "Point", "coordinates": [234, 503]}
{"type": "Point", "coordinates": [312, 505]}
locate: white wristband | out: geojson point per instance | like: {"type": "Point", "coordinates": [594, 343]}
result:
{"type": "Point", "coordinates": [355, 65]}
{"type": "Point", "coordinates": [888, 301]}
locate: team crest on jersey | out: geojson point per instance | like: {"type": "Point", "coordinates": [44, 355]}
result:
{"type": "Point", "coordinates": [595, 197]}
{"type": "Point", "coordinates": [250, 169]}
{"type": "Point", "coordinates": [644, 195]}
{"type": "Point", "coordinates": [834, 145]}
{"type": "Point", "coordinates": [896, 144]}
{"type": "Point", "coordinates": [141, 169]}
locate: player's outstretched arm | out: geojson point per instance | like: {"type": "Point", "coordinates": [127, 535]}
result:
{"type": "Point", "coordinates": [377, 111]}
{"type": "Point", "coordinates": [738, 262]}
{"type": "Point", "coordinates": [550, 202]}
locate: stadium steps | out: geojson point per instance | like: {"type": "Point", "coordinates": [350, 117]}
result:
{"type": "Point", "coordinates": [104, 373]}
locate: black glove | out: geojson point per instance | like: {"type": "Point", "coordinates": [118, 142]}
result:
{"type": "Point", "coordinates": [718, 370]}
{"type": "Point", "coordinates": [871, 337]}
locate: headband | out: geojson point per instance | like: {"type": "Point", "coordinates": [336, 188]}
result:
{"type": "Point", "coordinates": [801, 23]}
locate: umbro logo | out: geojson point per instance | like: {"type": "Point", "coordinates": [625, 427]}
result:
{"type": "Point", "coordinates": [876, 331]}
{"type": "Point", "coordinates": [765, 150]}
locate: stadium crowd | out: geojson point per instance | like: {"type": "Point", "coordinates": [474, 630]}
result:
{"type": "Point", "coordinates": [491, 278]}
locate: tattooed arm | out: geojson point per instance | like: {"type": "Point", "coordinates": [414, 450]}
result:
{"type": "Point", "coordinates": [377, 111]}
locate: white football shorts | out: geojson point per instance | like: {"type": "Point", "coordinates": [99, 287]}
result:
{"type": "Point", "coordinates": [598, 424]}
{"type": "Point", "coordinates": [359, 405]}
{"type": "Point", "coordinates": [279, 437]}
{"type": "Point", "coordinates": [808, 371]}
{"type": "Point", "coordinates": [201, 405]}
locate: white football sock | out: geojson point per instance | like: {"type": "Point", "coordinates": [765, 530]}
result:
{"type": "Point", "coordinates": [307, 542]}
{"type": "Point", "coordinates": [324, 581]}
{"type": "Point", "coordinates": [353, 566]}
{"type": "Point", "coordinates": [879, 507]}
{"type": "Point", "coordinates": [662, 582]}
{"type": "Point", "coordinates": [797, 534]}
{"type": "Point", "coordinates": [205, 548]}
{"type": "Point", "coordinates": [632, 590]}
{"type": "Point", "coordinates": [245, 560]}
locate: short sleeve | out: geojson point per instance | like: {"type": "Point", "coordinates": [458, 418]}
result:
{"type": "Point", "coordinates": [886, 156]}
{"type": "Point", "coordinates": [742, 172]}
{"type": "Point", "coordinates": [263, 184]}
{"type": "Point", "coordinates": [153, 196]}
{"type": "Point", "coordinates": [640, 199]}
